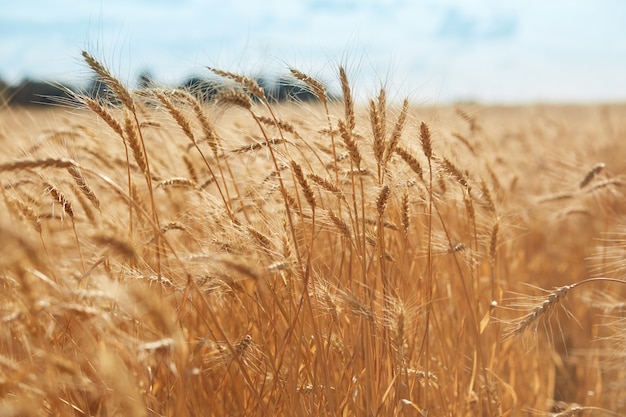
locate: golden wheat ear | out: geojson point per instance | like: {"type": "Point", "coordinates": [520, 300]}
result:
{"type": "Point", "coordinates": [547, 306]}
{"type": "Point", "coordinates": [317, 88]}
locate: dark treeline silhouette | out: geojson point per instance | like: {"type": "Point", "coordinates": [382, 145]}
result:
{"type": "Point", "coordinates": [31, 93]}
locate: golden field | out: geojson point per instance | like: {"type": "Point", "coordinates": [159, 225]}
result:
{"type": "Point", "coordinates": [172, 257]}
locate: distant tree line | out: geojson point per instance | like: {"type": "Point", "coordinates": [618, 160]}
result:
{"type": "Point", "coordinates": [33, 93]}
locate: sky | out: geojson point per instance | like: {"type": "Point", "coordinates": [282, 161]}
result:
{"type": "Point", "coordinates": [433, 51]}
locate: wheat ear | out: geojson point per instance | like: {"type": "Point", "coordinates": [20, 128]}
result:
{"type": "Point", "coordinates": [317, 88]}
{"type": "Point", "coordinates": [37, 163]}
{"type": "Point", "coordinates": [348, 102]}
{"type": "Point", "coordinates": [248, 83]}
{"type": "Point", "coordinates": [104, 115]}
{"type": "Point", "coordinates": [381, 201]}
{"type": "Point", "coordinates": [397, 132]}
{"type": "Point", "coordinates": [132, 138]}
{"type": "Point", "coordinates": [118, 88]}
{"type": "Point", "coordinates": [81, 182]}
{"type": "Point", "coordinates": [234, 97]}
{"type": "Point", "coordinates": [425, 140]}
{"type": "Point", "coordinates": [306, 187]}
{"type": "Point", "coordinates": [597, 168]}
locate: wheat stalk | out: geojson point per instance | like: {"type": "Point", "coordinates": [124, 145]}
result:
{"type": "Point", "coordinates": [548, 304]}
{"type": "Point", "coordinates": [317, 88]}
{"type": "Point", "coordinates": [597, 168]}
{"type": "Point", "coordinates": [59, 197]}
{"type": "Point", "coordinates": [281, 124]}
{"type": "Point", "coordinates": [178, 182]}
{"type": "Point", "coordinates": [381, 201]}
{"type": "Point", "coordinates": [346, 136]}
{"type": "Point", "coordinates": [309, 195]}
{"type": "Point", "coordinates": [132, 138]}
{"type": "Point", "coordinates": [118, 88]}
{"type": "Point", "coordinates": [81, 182]}
{"type": "Point", "coordinates": [104, 115]}
{"type": "Point", "coordinates": [37, 163]}
{"type": "Point", "coordinates": [248, 83]}
{"type": "Point", "coordinates": [348, 102]}
{"type": "Point", "coordinates": [177, 115]}
{"type": "Point", "coordinates": [405, 213]}
{"type": "Point", "coordinates": [411, 161]}
{"type": "Point", "coordinates": [396, 134]}
{"type": "Point", "coordinates": [234, 97]}
{"type": "Point", "coordinates": [453, 171]}
{"type": "Point", "coordinates": [425, 140]}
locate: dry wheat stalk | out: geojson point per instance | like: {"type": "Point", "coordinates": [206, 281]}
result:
{"type": "Point", "coordinates": [325, 289]}
{"type": "Point", "coordinates": [177, 115]}
{"type": "Point", "coordinates": [486, 195]}
{"type": "Point", "coordinates": [398, 319]}
{"type": "Point", "coordinates": [317, 88]}
{"type": "Point", "coordinates": [339, 224]}
{"type": "Point", "coordinates": [326, 184]}
{"type": "Point", "coordinates": [234, 97]}
{"type": "Point", "coordinates": [210, 136]}
{"type": "Point", "coordinates": [83, 186]}
{"type": "Point", "coordinates": [118, 88]}
{"type": "Point", "coordinates": [37, 163]}
{"type": "Point", "coordinates": [248, 83]}
{"type": "Point", "coordinates": [309, 195]}
{"type": "Point", "coordinates": [556, 197]}
{"type": "Point", "coordinates": [381, 109]}
{"type": "Point", "coordinates": [377, 131]}
{"type": "Point", "coordinates": [258, 145]}
{"type": "Point", "coordinates": [356, 306]}
{"type": "Point", "coordinates": [381, 201]}
{"type": "Point", "coordinates": [541, 310]}
{"type": "Point", "coordinates": [573, 410]}
{"type": "Point", "coordinates": [259, 237]}
{"type": "Point", "coordinates": [493, 242]}
{"type": "Point", "coordinates": [172, 226]}
{"type": "Point", "coordinates": [609, 182]}
{"type": "Point", "coordinates": [286, 241]}
{"type": "Point", "coordinates": [281, 124]}
{"type": "Point", "coordinates": [104, 115]}
{"type": "Point", "coordinates": [26, 212]}
{"type": "Point", "coordinates": [397, 132]}
{"type": "Point", "coordinates": [471, 120]}
{"type": "Point", "coordinates": [465, 142]}
{"type": "Point", "coordinates": [453, 171]}
{"type": "Point", "coordinates": [59, 197]}
{"type": "Point", "coordinates": [425, 140]}
{"type": "Point", "coordinates": [353, 149]}
{"type": "Point", "coordinates": [348, 102]}
{"type": "Point", "coordinates": [468, 200]}
{"type": "Point", "coordinates": [411, 161]}
{"type": "Point", "coordinates": [405, 214]}
{"type": "Point", "coordinates": [220, 354]}
{"type": "Point", "coordinates": [133, 142]}
{"type": "Point", "coordinates": [597, 168]}
{"type": "Point", "coordinates": [178, 182]}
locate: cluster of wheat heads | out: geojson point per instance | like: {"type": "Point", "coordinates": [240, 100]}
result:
{"type": "Point", "coordinates": [169, 256]}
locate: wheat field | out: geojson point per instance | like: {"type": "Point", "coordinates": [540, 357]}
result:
{"type": "Point", "coordinates": [170, 256]}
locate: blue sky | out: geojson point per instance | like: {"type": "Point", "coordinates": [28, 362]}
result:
{"type": "Point", "coordinates": [433, 51]}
